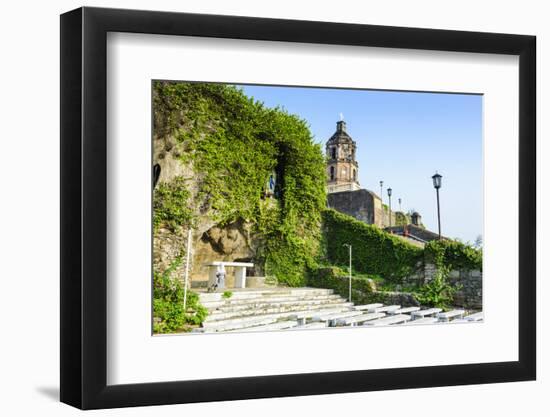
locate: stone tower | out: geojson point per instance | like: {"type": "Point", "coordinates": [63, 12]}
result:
{"type": "Point", "coordinates": [342, 168]}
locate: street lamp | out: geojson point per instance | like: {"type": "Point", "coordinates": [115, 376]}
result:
{"type": "Point", "coordinates": [381, 188]}
{"type": "Point", "coordinates": [437, 185]}
{"type": "Point", "coordinates": [389, 195]}
{"type": "Point", "coordinates": [399, 199]}
{"type": "Point", "coordinates": [349, 247]}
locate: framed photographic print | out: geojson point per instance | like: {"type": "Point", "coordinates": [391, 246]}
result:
{"type": "Point", "coordinates": [257, 208]}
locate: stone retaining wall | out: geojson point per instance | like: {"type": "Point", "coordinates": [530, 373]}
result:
{"type": "Point", "coordinates": [469, 296]}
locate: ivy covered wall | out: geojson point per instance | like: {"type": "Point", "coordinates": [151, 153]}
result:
{"type": "Point", "coordinates": [227, 145]}
{"type": "Point", "coordinates": [373, 250]}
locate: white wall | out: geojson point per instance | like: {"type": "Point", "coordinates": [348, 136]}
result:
{"type": "Point", "coordinates": [29, 100]}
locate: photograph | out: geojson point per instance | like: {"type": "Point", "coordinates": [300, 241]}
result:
{"type": "Point", "coordinates": [297, 208]}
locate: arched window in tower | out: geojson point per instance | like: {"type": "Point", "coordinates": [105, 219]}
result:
{"type": "Point", "coordinates": [354, 175]}
{"type": "Point", "coordinates": [333, 153]}
{"type": "Point", "coordinates": [332, 173]}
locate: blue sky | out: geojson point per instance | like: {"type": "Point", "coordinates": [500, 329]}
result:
{"type": "Point", "coordinates": [402, 139]}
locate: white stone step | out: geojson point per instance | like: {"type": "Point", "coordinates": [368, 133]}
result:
{"type": "Point", "coordinates": [405, 310]}
{"type": "Point", "coordinates": [227, 325]}
{"type": "Point", "coordinates": [305, 291]}
{"type": "Point", "coordinates": [384, 309]}
{"type": "Point", "coordinates": [269, 300]}
{"type": "Point", "coordinates": [353, 321]}
{"type": "Point", "coordinates": [449, 315]}
{"type": "Point", "coordinates": [224, 315]}
{"type": "Point", "coordinates": [475, 317]}
{"type": "Point", "coordinates": [283, 299]}
{"type": "Point", "coordinates": [243, 322]}
{"type": "Point", "coordinates": [285, 305]}
{"type": "Point", "coordinates": [425, 320]}
{"type": "Point", "coordinates": [237, 294]}
{"type": "Point", "coordinates": [424, 313]}
{"type": "Point", "coordinates": [307, 314]}
{"type": "Point", "coordinates": [368, 306]}
{"type": "Point", "coordinates": [279, 325]}
{"type": "Point", "coordinates": [397, 319]}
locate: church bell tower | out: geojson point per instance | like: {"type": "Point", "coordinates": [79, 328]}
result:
{"type": "Point", "coordinates": [342, 168]}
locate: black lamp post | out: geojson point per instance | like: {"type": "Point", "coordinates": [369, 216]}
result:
{"type": "Point", "coordinates": [389, 195]}
{"type": "Point", "coordinates": [437, 185]}
{"type": "Point", "coordinates": [399, 199]}
{"type": "Point", "coordinates": [381, 188]}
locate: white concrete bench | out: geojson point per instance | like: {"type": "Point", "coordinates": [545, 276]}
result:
{"type": "Point", "coordinates": [385, 309]}
{"type": "Point", "coordinates": [475, 317]}
{"type": "Point", "coordinates": [316, 325]}
{"type": "Point", "coordinates": [335, 316]}
{"type": "Point", "coordinates": [449, 315]}
{"type": "Point", "coordinates": [280, 325]}
{"type": "Point", "coordinates": [397, 319]}
{"type": "Point", "coordinates": [301, 316]}
{"type": "Point", "coordinates": [355, 320]}
{"type": "Point", "coordinates": [240, 272]}
{"type": "Point", "coordinates": [368, 306]}
{"type": "Point", "coordinates": [423, 313]}
{"type": "Point", "coordinates": [425, 320]}
{"type": "Point", "coordinates": [405, 310]}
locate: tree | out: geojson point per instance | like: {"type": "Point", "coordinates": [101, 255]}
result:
{"type": "Point", "coordinates": [478, 243]}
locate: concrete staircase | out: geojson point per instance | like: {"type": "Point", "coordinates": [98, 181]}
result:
{"type": "Point", "coordinates": [279, 308]}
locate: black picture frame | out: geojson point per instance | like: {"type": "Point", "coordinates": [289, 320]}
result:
{"type": "Point", "coordinates": [84, 207]}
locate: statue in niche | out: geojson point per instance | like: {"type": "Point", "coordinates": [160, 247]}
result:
{"type": "Point", "coordinates": [271, 186]}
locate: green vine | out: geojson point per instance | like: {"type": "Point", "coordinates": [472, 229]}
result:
{"type": "Point", "coordinates": [168, 295]}
{"type": "Point", "coordinates": [454, 254]}
{"type": "Point", "coordinates": [373, 250]}
{"type": "Point", "coordinates": [438, 292]}
{"type": "Point", "coordinates": [171, 205]}
{"type": "Point", "coordinates": [234, 144]}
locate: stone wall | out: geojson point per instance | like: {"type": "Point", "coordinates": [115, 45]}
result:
{"type": "Point", "coordinates": [363, 205]}
{"type": "Point", "coordinates": [358, 204]}
{"type": "Point", "coordinates": [469, 296]}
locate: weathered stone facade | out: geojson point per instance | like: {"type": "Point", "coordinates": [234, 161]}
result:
{"type": "Point", "coordinates": [470, 294]}
{"type": "Point", "coordinates": [209, 242]}
{"type": "Point", "coordinates": [362, 204]}
{"type": "Point", "coordinates": [232, 243]}
{"type": "Point", "coordinates": [344, 192]}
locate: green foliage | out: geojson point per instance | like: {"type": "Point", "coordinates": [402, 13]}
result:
{"type": "Point", "coordinates": [171, 205]}
{"type": "Point", "coordinates": [438, 292]}
{"type": "Point", "coordinates": [373, 250]}
{"type": "Point", "coordinates": [168, 295]}
{"type": "Point", "coordinates": [337, 279]}
{"type": "Point", "coordinates": [453, 254]}
{"type": "Point", "coordinates": [227, 294]}
{"type": "Point", "coordinates": [234, 144]}
{"type": "Point", "coordinates": [401, 219]}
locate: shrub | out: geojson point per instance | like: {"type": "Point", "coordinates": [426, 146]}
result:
{"type": "Point", "coordinates": [374, 251]}
{"type": "Point", "coordinates": [168, 295]}
{"type": "Point", "coordinates": [438, 292]}
{"type": "Point", "coordinates": [453, 254]}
